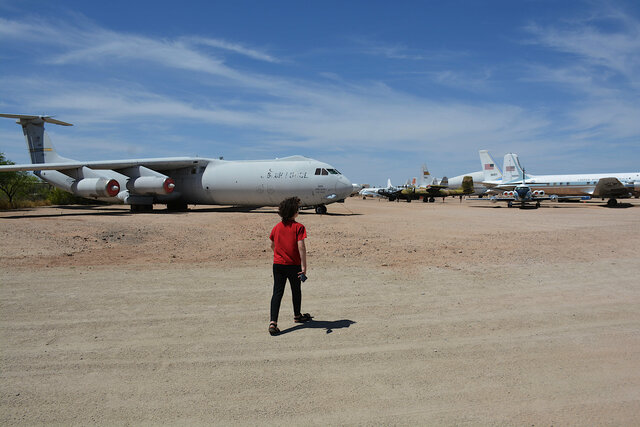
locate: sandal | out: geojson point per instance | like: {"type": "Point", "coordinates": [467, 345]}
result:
{"type": "Point", "coordinates": [273, 328]}
{"type": "Point", "coordinates": [301, 318]}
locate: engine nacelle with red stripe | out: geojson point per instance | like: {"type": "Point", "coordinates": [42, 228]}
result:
{"type": "Point", "coordinates": [151, 185]}
{"type": "Point", "coordinates": [95, 187]}
{"type": "Point", "coordinates": [508, 194]}
{"type": "Point", "coordinates": [538, 193]}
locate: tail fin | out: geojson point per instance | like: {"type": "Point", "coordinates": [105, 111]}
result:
{"type": "Point", "coordinates": [467, 185]}
{"type": "Point", "coordinates": [425, 178]}
{"type": "Point", "coordinates": [489, 166]}
{"type": "Point", "coordinates": [512, 171]}
{"type": "Point", "coordinates": [38, 141]}
{"type": "Point", "coordinates": [389, 183]}
{"type": "Point", "coordinates": [444, 181]}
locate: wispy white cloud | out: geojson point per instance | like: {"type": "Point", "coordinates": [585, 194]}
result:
{"type": "Point", "coordinates": [277, 115]}
{"type": "Point", "coordinates": [233, 47]}
{"type": "Point", "coordinates": [589, 43]}
{"type": "Point", "coordinates": [401, 51]}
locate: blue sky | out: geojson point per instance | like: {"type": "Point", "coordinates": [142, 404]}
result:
{"type": "Point", "coordinates": [375, 88]}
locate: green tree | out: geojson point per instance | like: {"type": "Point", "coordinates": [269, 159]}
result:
{"type": "Point", "coordinates": [13, 183]}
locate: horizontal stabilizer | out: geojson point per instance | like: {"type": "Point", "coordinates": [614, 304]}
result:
{"type": "Point", "coordinates": [26, 117]}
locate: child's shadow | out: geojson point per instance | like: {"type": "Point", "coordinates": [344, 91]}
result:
{"type": "Point", "coordinates": [320, 324]}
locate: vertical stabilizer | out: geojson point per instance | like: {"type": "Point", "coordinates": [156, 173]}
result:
{"type": "Point", "coordinates": [38, 142]}
{"type": "Point", "coordinates": [426, 178]}
{"type": "Point", "coordinates": [512, 171]}
{"type": "Point", "coordinates": [489, 167]}
{"type": "Point", "coordinates": [389, 183]}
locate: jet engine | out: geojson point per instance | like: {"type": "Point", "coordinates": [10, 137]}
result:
{"type": "Point", "coordinates": [538, 193]}
{"type": "Point", "coordinates": [145, 181]}
{"type": "Point", "coordinates": [151, 185]}
{"type": "Point", "coordinates": [95, 187]}
{"type": "Point", "coordinates": [508, 194]}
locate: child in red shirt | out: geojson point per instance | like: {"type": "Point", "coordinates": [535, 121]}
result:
{"type": "Point", "coordinates": [289, 261]}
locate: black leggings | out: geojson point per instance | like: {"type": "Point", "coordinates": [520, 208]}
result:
{"type": "Point", "coordinates": [280, 275]}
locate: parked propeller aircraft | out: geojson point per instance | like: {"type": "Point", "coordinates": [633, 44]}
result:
{"type": "Point", "coordinates": [430, 192]}
{"type": "Point", "coordinates": [602, 185]}
{"type": "Point", "coordinates": [179, 181]}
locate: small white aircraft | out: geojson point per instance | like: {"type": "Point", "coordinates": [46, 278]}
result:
{"type": "Point", "coordinates": [179, 181]}
{"type": "Point", "coordinates": [522, 194]}
{"type": "Point", "coordinates": [377, 191]}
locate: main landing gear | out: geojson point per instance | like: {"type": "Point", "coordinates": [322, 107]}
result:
{"type": "Point", "coordinates": [321, 209]}
{"type": "Point", "coordinates": [612, 202]}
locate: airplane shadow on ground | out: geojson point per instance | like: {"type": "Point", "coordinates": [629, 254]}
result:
{"type": "Point", "coordinates": [92, 210]}
{"type": "Point", "coordinates": [618, 206]}
{"type": "Point", "coordinates": [329, 326]}
{"type": "Point", "coordinates": [87, 210]}
{"type": "Point", "coordinates": [543, 206]}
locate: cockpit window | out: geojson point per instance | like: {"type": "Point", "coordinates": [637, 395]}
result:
{"type": "Point", "coordinates": [324, 172]}
{"type": "Point", "coordinates": [334, 172]}
{"type": "Point", "coordinates": [318, 171]}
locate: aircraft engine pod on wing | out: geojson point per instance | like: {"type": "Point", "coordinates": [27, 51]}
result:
{"type": "Point", "coordinates": [151, 185]}
{"type": "Point", "coordinates": [145, 181]}
{"type": "Point", "coordinates": [96, 187]}
{"type": "Point", "coordinates": [538, 193]}
{"type": "Point", "coordinates": [179, 181]}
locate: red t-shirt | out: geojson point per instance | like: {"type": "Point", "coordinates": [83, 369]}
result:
{"type": "Point", "coordinates": [285, 235]}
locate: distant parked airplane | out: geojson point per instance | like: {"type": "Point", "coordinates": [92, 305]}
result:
{"type": "Point", "coordinates": [179, 181]}
{"type": "Point", "coordinates": [602, 185]}
{"type": "Point", "coordinates": [378, 191]}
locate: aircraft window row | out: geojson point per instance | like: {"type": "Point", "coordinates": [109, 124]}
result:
{"type": "Point", "coordinates": [323, 171]}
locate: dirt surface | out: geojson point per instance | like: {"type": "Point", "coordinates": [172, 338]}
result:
{"type": "Point", "coordinates": [441, 314]}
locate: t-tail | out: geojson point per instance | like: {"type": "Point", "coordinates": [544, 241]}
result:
{"type": "Point", "coordinates": [489, 167]}
{"type": "Point", "coordinates": [38, 142]}
{"type": "Point", "coordinates": [512, 171]}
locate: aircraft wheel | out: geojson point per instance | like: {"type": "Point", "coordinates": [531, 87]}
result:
{"type": "Point", "coordinates": [612, 202]}
{"type": "Point", "coordinates": [537, 204]}
{"type": "Point", "coordinates": [321, 210]}
{"type": "Point", "coordinates": [510, 204]}
{"type": "Point", "coordinates": [408, 199]}
{"type": "Point", "coordinates": [432, 199]}
{"type": "Point", "coordinates": [425, 200]}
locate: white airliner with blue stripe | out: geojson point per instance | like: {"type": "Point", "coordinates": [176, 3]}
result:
{"type": "Point", "coordinates": [600, 185]}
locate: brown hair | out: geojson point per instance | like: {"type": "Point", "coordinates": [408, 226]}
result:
{"type": "Point", "coordinates": [288, 208]}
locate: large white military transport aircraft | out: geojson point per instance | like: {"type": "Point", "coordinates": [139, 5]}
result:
{"type": "Point", "coordinates": [179, 181]}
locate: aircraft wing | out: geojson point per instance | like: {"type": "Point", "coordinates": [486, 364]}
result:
{"type": "Point", "coordinates": [155, 164]}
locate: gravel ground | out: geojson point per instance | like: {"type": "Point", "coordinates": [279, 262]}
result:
{"type": "Point", "coordinates": [442, 313]}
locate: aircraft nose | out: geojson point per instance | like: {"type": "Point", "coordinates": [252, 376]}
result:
{"type": "Point", "coordinates": [343, 187]}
